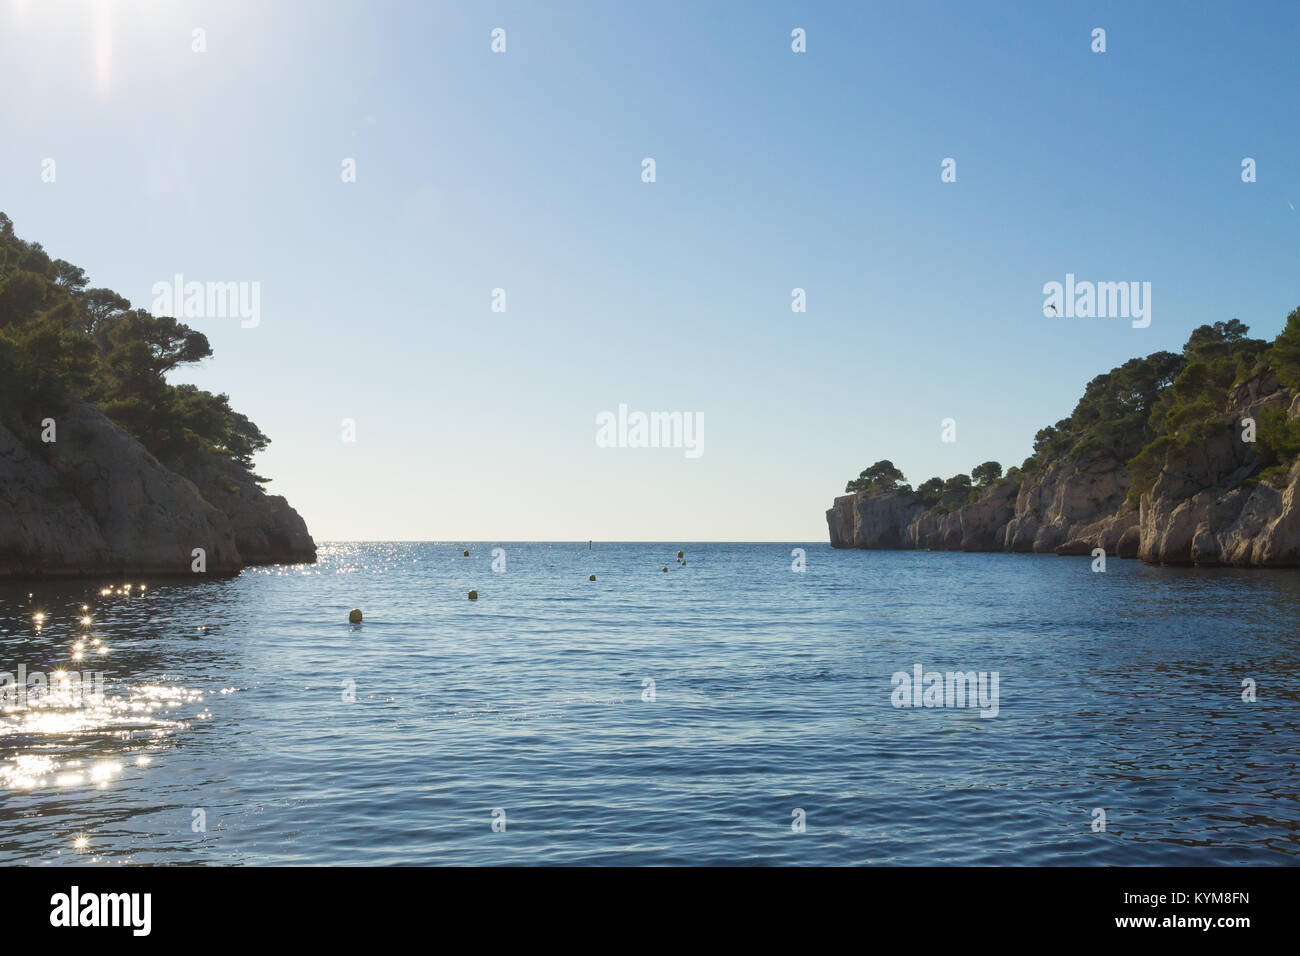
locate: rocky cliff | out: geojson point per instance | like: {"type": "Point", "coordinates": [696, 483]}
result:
{"type": "Point", "coordinates": [1206, 506]}
{"type": "Point", "coordinates": [94, 501]}
{"type": "Point", "coordinates": [106, 466]}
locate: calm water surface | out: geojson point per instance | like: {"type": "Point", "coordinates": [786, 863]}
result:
{"type": "Point", "coordinates": [225, 734]}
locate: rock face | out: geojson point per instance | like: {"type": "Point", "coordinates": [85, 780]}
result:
{"type": "Point", "coordinates": [267, 530]}
{"type": "Point", "coordinates": [1066, 509]}
{"type": "Point", "coordinates": [96, 502]}
{"type": "Point", "coordinates": [1202, 508]}
{"type": "Point", "coordinates": [1200, 512]}
{"type": "Point", "coordinates": [873, 521]}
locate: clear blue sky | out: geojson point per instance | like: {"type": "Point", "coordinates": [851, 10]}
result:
{"type": "Point", "coordinates": [775, 170]}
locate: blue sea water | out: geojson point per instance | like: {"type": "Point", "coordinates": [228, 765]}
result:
{"type": "Point", "coordinates": [243, 721]}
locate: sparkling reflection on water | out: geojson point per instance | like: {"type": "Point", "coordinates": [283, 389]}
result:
{"type": "Point", "coordinates": [244, 721]}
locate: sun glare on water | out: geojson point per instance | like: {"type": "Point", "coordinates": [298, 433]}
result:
{"type": "Point", "coordinates": [54, 732]}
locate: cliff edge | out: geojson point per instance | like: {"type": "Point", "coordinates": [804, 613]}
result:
{"type": "Point", "coordinates": [106, 466]}
{"type": "Point", "coordinates": [95, 501]}
{"type": "Point", "coordinates": [1174, 459]}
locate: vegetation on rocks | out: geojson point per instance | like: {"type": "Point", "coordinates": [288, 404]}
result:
{"type": "Point", "coordinates": [60, 340]}
{"type": "Point", "coordinates": [1145, 413]}
{"type": "Point", "coordinates": [106, 467]}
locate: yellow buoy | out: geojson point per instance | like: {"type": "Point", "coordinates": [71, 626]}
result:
{"type": "Point", "coordinates": [354, 616]}
{"type": "Point", "coordinates": [473, 595]}
{"type": "Point", "coordinates": [467, 554]}
{"type": "Point", "coordinates": [665, 570]}
{"type": "Point", "coordinates": [591, 577]}
{"type": "Point", "coordinates": [681, 554]}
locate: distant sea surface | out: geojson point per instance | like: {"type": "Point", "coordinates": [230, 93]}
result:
{"type": "Point", "coordinates": [244, 721]}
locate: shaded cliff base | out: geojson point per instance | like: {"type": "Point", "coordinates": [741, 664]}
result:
{"type": "Point", "coordinates": [95, 502]}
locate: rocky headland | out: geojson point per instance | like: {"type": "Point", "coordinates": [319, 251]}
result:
{"type": "Point", "coordinates": [105, 467]}
{"type": "Point", "coordinates": [1173, 459]}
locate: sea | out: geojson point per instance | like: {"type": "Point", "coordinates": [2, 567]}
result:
{"type": "Point", "coordinates": [745, 704]}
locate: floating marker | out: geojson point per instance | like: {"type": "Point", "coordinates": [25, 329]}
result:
{"type": "Point", "coordinates": [681, 554]}
{"type": "Point", "coordinates": [467, 554]}
{"type": "Point", "coordinates": [354, 616]}
{"type": "Point", "coordinates": [665, 570]}
{"type": "Point", "coordinates": [591, 577]}
{"type": "Point", "coordinates": [473, 595]}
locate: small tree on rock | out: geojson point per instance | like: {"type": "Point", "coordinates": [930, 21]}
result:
{"type": "Point", "coordinates": [985, 474]}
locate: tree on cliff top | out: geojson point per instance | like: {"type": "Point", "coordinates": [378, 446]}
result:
{"type": "Point", "coordinates": [957, 487]}
{"type": "Point", "coordinates": [882, 476]}
{"type": "Point", "coordinates": [59, 340]}
{"type": "Point", "coordinates": [1284, 356]}
{"type": "Point", "coordinates": [930, 490]}
{"type": "Point", "coordinates": [985, 474]}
